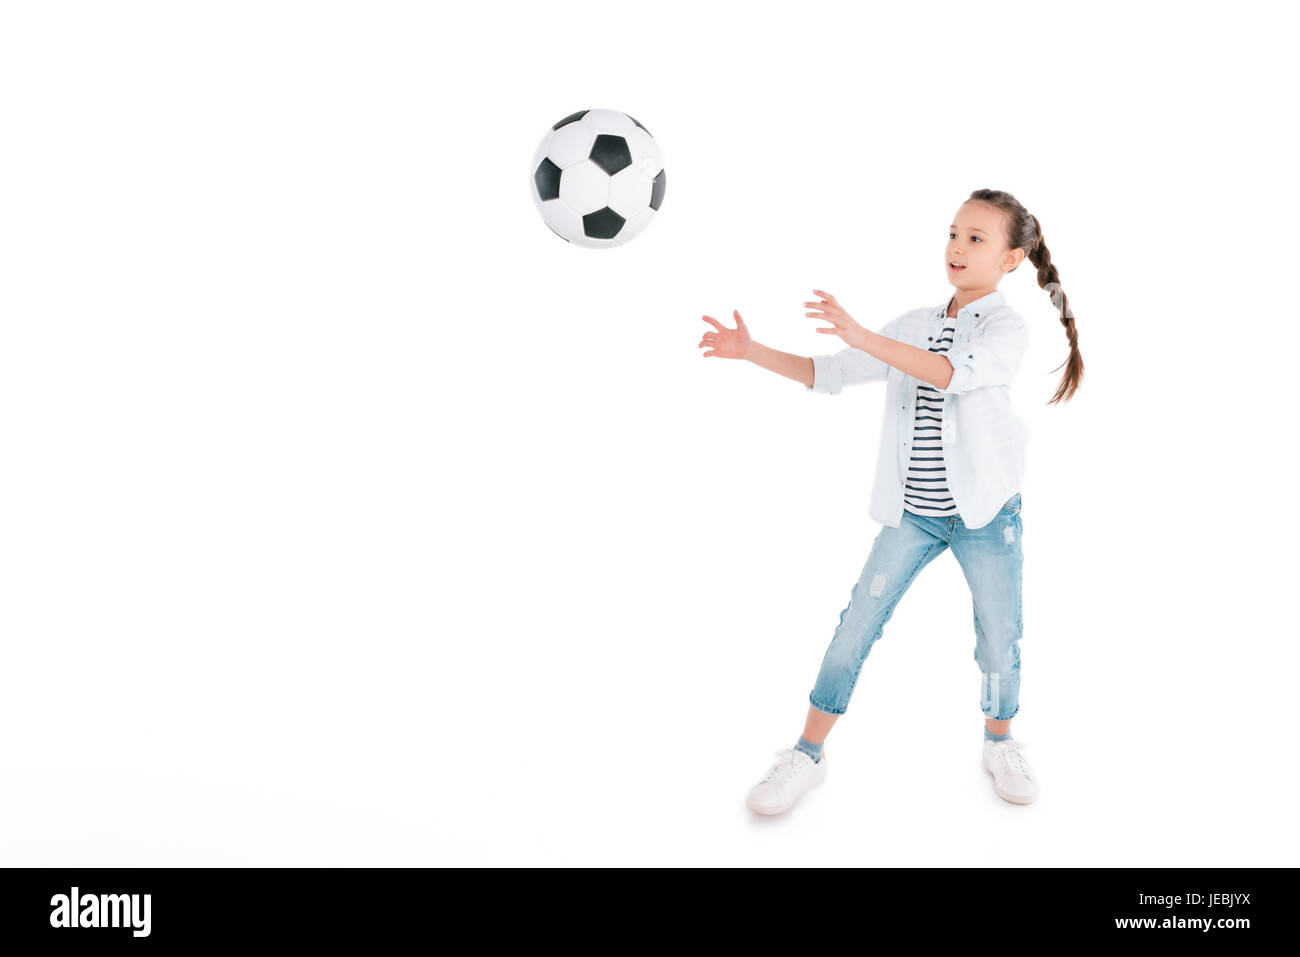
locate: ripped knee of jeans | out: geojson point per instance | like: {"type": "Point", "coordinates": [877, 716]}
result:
{"type": "Point", "coordinates": [877, 586]}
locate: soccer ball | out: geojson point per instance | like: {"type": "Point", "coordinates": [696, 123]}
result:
{"type": "Point", "coordinates": [598, 178]}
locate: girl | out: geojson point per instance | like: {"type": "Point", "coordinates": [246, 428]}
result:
{"type": "Point", "coordinates": [948, 474]}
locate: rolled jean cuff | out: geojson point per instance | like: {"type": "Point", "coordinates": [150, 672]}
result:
{"type": "Point", "coordinates": [825, 709]}
{"type": "Point", "coordinates": [1000, 695]}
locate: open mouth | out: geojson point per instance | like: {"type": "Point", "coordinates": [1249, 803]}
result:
{"type": "Point", "coordinates": [956, 267]}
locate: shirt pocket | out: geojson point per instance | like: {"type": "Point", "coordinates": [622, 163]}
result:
{"type": "Point", "coordinates": [958, 344]}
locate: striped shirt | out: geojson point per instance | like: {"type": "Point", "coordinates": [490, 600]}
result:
{"type": "Point", "coordinates": [984, 439]}
{"type": "Point", "coordinates": [925, 492]}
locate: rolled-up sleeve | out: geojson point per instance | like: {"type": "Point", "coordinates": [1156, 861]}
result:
{"type": "Point", "coordinates": [834, 370]}
{"type": "Point", "coordinates": [991, 357]}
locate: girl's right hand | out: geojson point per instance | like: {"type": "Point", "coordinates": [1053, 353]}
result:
{"type": "Point", "coordinates": [727, 343]}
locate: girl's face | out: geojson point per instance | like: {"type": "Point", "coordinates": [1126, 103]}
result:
{"type": "Point", "coordinates": [977, 240]}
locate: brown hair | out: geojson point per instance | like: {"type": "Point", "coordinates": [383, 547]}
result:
{"type": "Point", "coordinates": [1023, 232]}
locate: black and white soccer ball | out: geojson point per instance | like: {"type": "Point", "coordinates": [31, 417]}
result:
{"type": "Point", "coordinates": [598, 178]}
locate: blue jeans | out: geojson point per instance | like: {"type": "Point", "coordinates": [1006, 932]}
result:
{"type": "Point", "coordinates": [991, 560]}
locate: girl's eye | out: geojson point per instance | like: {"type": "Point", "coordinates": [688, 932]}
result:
{"type": "Point", "coordinates": [975, 238]}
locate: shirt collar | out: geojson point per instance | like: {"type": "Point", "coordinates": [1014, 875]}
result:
{"type": "Point", "coordinates": [981, 306]}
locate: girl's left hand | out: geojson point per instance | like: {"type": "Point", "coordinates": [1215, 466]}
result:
{"type": "Point", "coordinates": [842, 324]}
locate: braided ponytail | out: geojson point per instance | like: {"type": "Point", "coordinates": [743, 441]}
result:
{"type": "Point", "coordinates": [1024, 232]}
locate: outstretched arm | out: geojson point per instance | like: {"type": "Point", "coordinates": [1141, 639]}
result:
{"type": "Point", "coordinates": [927, 366]}
{"type": "Point", "coordinates": [990, 358]}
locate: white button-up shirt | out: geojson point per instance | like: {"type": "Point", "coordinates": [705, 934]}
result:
{"type": "Point", "coordinates": [984, 439]}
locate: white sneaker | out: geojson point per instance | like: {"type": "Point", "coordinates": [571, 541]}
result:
{"type": "Point", "coordinates": [1013, 778]}
{"type": "Point", "coordinates": [792, 775]}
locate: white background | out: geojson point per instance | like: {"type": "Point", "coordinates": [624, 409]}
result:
{"type": "Point", "coordinates": [349, 516]}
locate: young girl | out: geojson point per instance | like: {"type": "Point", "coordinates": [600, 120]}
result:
{"type": "Point", "coordinates": [948, 474]}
